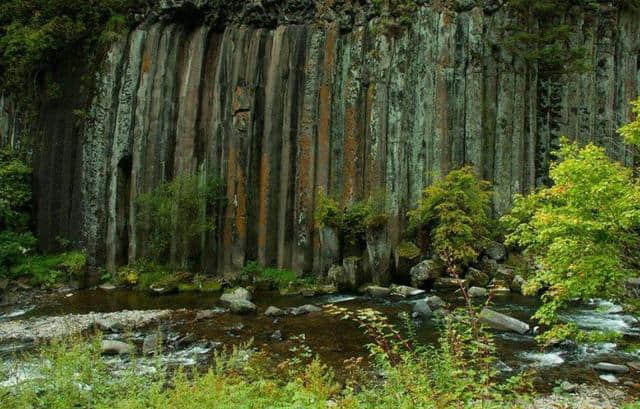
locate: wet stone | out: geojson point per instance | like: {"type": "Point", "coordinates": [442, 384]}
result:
{"type": "Point", "coordinates": [274, 312]}
{"type": "Point", "coordinates": [609, 367]}
{"type": "Point", "coordinates": [110, 347]}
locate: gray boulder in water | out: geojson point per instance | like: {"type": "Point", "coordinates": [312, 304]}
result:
{"type": "Point", "coordinates": [110, 347]}
{"type": "Point", "coordinates": [421, 310]}
{"type": "Point", "coordinates": [609, 367]}
{"type": "Point", "coordinates": [502, 322]}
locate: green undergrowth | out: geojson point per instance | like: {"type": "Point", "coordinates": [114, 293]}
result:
{"type": "Point", "coordinates": [270, 278]}
{"type": "Point", "coordinates": [457, 373]}
{"type": "Point", "coordinates": [352, 220]}
{"type": "Point", "coordinates": [144, 274]}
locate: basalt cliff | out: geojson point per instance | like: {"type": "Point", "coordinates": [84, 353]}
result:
{"type": "Point", "coordinates": [282, 100]}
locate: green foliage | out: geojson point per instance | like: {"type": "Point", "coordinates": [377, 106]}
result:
{"type": "Point", "coordinates": [47, 270]}
{"type": "Point", "coordinates": [267, 277]}
{"type": "Point", "coordinates": [394, 15]}
{"type": "Point", "coordinates": [542, 35]}
{"type": "Point", "coordinates": [15, 191]}
{"type": "Point", "coordinates": [631, 131]}
{"type": "Point", "coordinates": [408, 250]}
{"type": "Point", "coordinates": [571, 331]}
{"type": "Point", "coordinates": [37, 35]}
{"type": "Point", "coordinates": [583, 231]}
{"type": "Point", "coordinates": [13, 247]}
{"type": "Point", "coordinates": [455, 211]}
{"type": "Point", "coordinates": [179, 210]}
{"type": "Point", "coordinates": [352, 220]}
{"type": "Point", "coordinates": [142, 274]}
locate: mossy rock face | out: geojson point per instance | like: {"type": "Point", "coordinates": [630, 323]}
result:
{"type": "Point", "coordinates": [407, 250]}
{"type": "Point", "coordinates": [210, 286]}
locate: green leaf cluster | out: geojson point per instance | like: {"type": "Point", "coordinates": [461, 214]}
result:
{"type": "Point", "coordinates": [36, 35]}
{"type": "Point", "coordinates": [455, 213]}
{"type": "Point", "coordinates": [583, 231]}
{"type": "Point", "coordinates": [631, 131]}
{"type": "Point", "coordinates": [354, 219]}
{"type": "Point", "coordinates": [178, 213]}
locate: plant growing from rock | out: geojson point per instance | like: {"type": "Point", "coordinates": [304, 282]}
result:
{"type": "Point", "coordinates": [455, 213]}
{"type": "Point", "coordinates": [583, 231]}
{"type": "Point", "coordinates": [175, 215]}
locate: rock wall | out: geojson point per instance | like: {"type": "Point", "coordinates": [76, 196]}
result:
{"type": "Point", "coordinates": [281, 113]}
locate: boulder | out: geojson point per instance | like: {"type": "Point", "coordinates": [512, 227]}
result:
{"type": "Point", "coordinates": [406, 255]}
{"type": "Point", "coordinates": [425, 272]}
{"type": "Point", "coordinates": [240, 306]}
{"type": "Point", "coordinates": [488, 266]}
{"type": "Point", "coordinates": [377, 292]}
{"type": "Point", "coordinates": [434, 302]}
{"type": "Point", "coordinates": [379, 255]}
{"type": "Point", "coordinates": [478, 292]}
{"type": "Point", "coordinates": [568, 387]}
{"type": "Point", "coordinates": [496, 251]}
{"type": "Point", "coordinates": [107, 287]}
{"type": "Point", "coordinates": [609, 378]}
{"type": "Point", "coordinates": [421, 310]}
{"type": "Point", "coordinates": [502, 322]}
{"type": "Point", "coordinates": [449, 283]}
{"type": "Point", "coordinates": [405, 291]}
{"type": "Point", "coordinates": [152, 343]}
{"type": "Point", "coordinates": [110, 347]}
{"type": "Point", "coordinates": [238, 294]}
{"type": "Point", "coordinates": [305, 309]}
{"type": "Point", "coordinates": [207, 314]}
{"type": "Point", "coordinates": [274, 312]}
{"type": "Point", "coordinates": [477, 278]}
{"type": "Point", "coordinates": [503, 273]}
{"type": "Point", "coordinates": [347, 277]}
{"type": "Point", "coordinates": [277, 335]}
{"type": "Point", "coordinates": [609, 367]}
{"type": "Point", "coordinates": [517, 283]}
{"type": "Point", "coordinates": [635, 365]}
{"type": "Point", "coordinates": [329, 247]}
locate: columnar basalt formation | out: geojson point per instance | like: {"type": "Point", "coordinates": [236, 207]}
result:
{"type": "Point", "coordinates": [281, 113]}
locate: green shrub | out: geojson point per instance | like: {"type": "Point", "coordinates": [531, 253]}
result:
{"type": "Point", "coordinates": [142, 274]}
{"type": "Point", "coordinates": [15, 192]}
{"type": "Point", "coordinates": [583, 231]}
{"type": "Point", "coordinates": [37, 35]}
{"type": "Point", "coordinates": [179, 210]}
{"type": "Point", "coordinates": [353, 220]}
{"type": "Point", "coordinates": [455, 213]}
{"type": "Point", "coordinates": [47, 270]}
{"type": "Point", "coordinates": [266, 277]}
{"type": "Point", "coordinates": [631, 131]}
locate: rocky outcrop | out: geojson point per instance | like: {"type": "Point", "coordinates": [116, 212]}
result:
{"type": "Point", "coordinates": [279, 100]}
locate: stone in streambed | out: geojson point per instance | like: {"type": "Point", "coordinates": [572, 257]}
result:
{"type": "Point", "coordinates": [425, 272]}
{"type": "Point", "coordinates": [477, 278]}
{"type": "Point", "coordinates": [239, 306]}
{"type": "Point", "coordinates": [236, 294]}
{"type": "Point", "coordinates": [274, 312]}
{"type": "Point", "coordinates": [110, 347]}
{"type": "Point", "coordinates": [377, 292]}
{"type": "Point", "coordinates": [609, 367]}
{"type": "Point", "coordinates": [448, 283]}
{"type": "Point", "coordinates": [478, 292]}
{"type": "Point", "coordinates": [496, 251]}
{"type": "Point", "coordinates": [305, 309]}
{"type": "Point", "coordinates": [421, 310]}
{"type": "Point", "coordinates": [405, 291]}
{"type": "Point", "coordinates": [152, 343]}
{"type": "Point", "coordinates": [517, 283]}
{"type": "Point", "coordinates": [434, 302]}
{"type": "Point", "coordinates": [502, 322]}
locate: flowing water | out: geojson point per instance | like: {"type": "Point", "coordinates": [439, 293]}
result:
{"type": "Point", "coordinates": [192, 341]}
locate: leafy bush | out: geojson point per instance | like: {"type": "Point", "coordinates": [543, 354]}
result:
{"type": "Point", "coordinates": [179, 210]}
{"type": "Point", "coordinates": [631, 131]}
{"type": "Point", "coordinates": [352, 220]}
{"type": "Point", "coordinates": [36, 35]}
{"type": "Point", "coordinates": [142, 274]}
{"type": "Point", "coordinates": [13, 247]}
{"type": "Point", "coordinates": [267, 277]}
{"type": "Point", "coordinates": [15, 191]}
{"type": "Point", "coordinates": [47, 270]}
{"type": "Point", "coordinates": [583, 231]}
{"type": "Point", "coordinates": [455, 212]}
